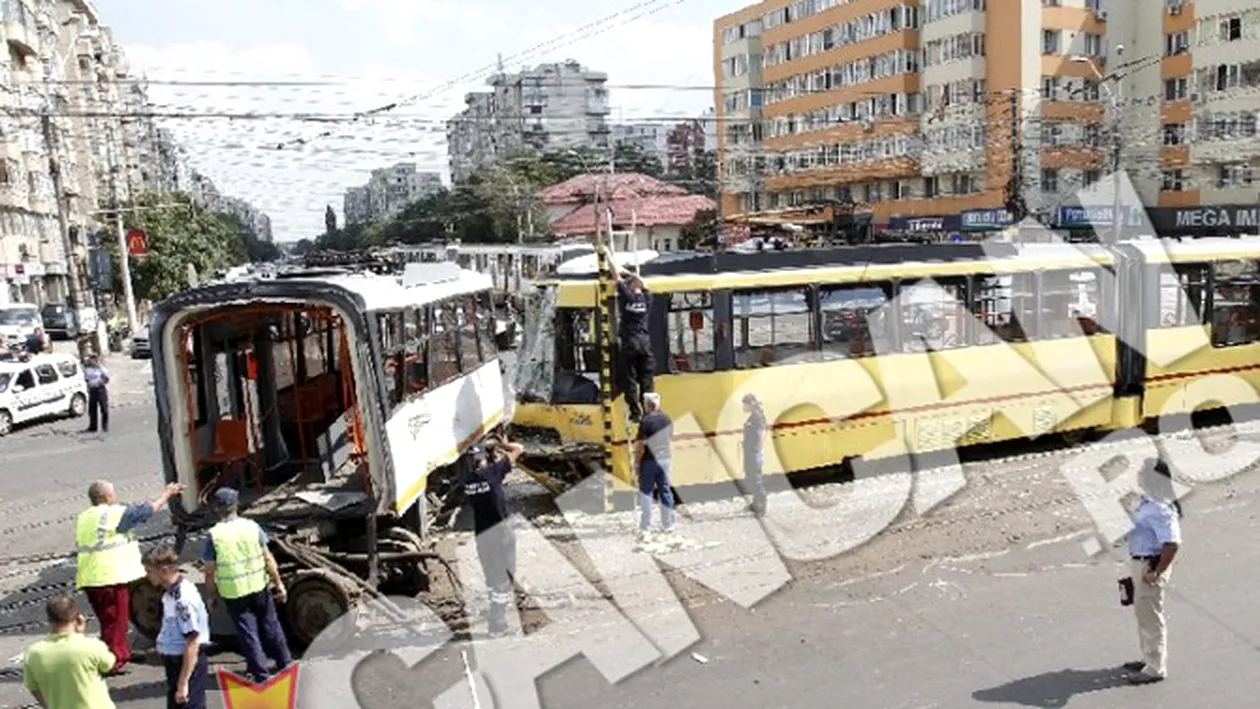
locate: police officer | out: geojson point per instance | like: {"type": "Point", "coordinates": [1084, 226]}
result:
{"type": "Point", "coordinates": [637, 365]}
{"type": "Point", "coordinates": [1153, 545]}
{"type": "Point", "coordinates": [238, 563]}
{"type": "Point", "coordinates": [97, 378]}
{"type": "Point", "coordinates": [496, 543]}
{"type": "Point", "coordinates": [107, 560]}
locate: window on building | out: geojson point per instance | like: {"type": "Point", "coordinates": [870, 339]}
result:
{"type": "Point", "coordinates": [692, 333]}
{"type": "Point", "coordinates": [772, 326]}
{"type": "Point", "coordinates": [1174, 181]}
{"type": "Point", "coordinates": [1005, 305]}
{"type": "Point", "coordinates": [1235, 303]}
{"type": "Point", "coordinates": [1071, 304]}
{"type": "Point", "coordinates": [1049, 88]}
{"type": "Point", "coordinates": [393, 349]}
{"type": "Point", "coordinates": [1174, 133]}
{"type": "Point", "coordinates": [1176, 42]}
{"type": "Point", "coordinates": [1092, 177]}
{"type": "Point", "coordinates": [1050, 41]}
{"type": "Point", "coordinates": [854, 320]}
{"type": "Point", "coordinates": [1231, 29]}
{"type": "Point", "coordinates": [1182, 300]}
{"type": "Point", "coordinates": [931, 186]}
{"type": "Point", "coordinates": [1235, 175]}
{"type": "Point", "coordinates": [446, 343]}
{"type": "Point", "coordinates": [1175, 89]}
{"type": "Point", "coordinates": [1050, 181]}
{"type": "Point", "coordinates": [933, 316]}
{"type": "Point", "coordinates": [1093, 45]}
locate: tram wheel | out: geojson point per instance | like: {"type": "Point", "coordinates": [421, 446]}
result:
{"type": "Point", "coordinates": [315, 601]}
{"type": "Point", "coordinates": [146, 608]}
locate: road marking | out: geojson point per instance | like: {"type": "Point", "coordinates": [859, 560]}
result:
{"type": "Point", "coordinates": [1059, 540]}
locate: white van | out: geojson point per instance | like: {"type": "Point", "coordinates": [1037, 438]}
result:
{"type": "Point", "coordinates": [18, 322]}
{"type": "Point", "coordinates": [43, 386]}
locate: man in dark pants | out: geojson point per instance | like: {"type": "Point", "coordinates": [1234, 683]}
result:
{"type": "Point", "coordinates": [637, 365]}
{"type": "Point", "coordinates": [97, 378]}
{"type": "Point", "coordinates": [652, 450]}
{"type": "Point", "coordinates": [238, 564]}
{"type": "Point", "coordinates": [185, 631]}
{"type": "Point", "coordinates": [496, 543]}
{"type": "Point", "coordinates": [754, 459]}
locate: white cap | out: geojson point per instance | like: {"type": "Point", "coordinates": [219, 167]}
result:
{"type": "Point", "coordinates": [652, 399]}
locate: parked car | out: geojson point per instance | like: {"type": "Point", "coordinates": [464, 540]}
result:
{"type": "Point", "coordinates": [60, 322]}
{"type": "Point", "coordinates": [140, 345]}
{"type": "Point", "coordinates": [18, 321]}
{"type": "Point", "coordinates": [42, 386]}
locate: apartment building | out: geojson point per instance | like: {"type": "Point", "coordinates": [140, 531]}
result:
{"type": "Point", "coordinates": [61, 62]}
{"type": "Point", "coordinates": [934, 108]}
{"type": "Point", "coordinates": [651, 139]}
{"type": "Point", "coordinates": [552, 107]}
{"type": "Point", "coordinates": [387, 192]}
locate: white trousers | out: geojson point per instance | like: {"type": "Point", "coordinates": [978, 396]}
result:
{"type": "Point", "coordinates": [1148, 605]}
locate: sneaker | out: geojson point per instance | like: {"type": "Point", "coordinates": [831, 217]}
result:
{"type": "Point", "coordinates": [1134, 666]}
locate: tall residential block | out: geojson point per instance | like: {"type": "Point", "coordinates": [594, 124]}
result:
{"type": "Point", "coordinates": [936, 108]}
{"type": "Point", "coordinates": [387, 192]}
{"type": "Point", "coordinates": [550, 108]}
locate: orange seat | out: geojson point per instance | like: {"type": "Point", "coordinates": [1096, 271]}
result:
{"type": "Point", "coordinates": [231, 441]}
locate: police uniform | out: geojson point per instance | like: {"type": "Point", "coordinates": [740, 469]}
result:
{"type": "Point", "coordinates": [638, 367]}
{"type": "Point", "coordinates": [1155, 523]}
{"type": "Point", "coordinates": [183, 615]}
{"type": "Point", "coordinates": [237, 548]}
{"type": "Point", "coordinates": [97, 379]}
{"type": "Point", "coordinates": [496, 543]}
{"type": "Point", "coordinates": [107, 561]}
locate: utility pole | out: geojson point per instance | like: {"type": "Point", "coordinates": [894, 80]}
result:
{"type": "Point", "coordinates": [1117, 219]}
{"type": "Point", "coordinates": [124, 255]}
{"type": "Point", "coordinates": [75, 295]}
{"type": "Point", "coordinates": [1015, 203]}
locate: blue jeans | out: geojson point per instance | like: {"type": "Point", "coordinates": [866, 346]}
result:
{"type": "Point", "coordinates": [654, 475]}
{"type": "Point", "coordinates": [258, 632]}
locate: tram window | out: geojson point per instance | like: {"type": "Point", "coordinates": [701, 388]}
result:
{"type": "Point", "coordinates": [416, 332]}
{"type": "Point", "coordinates": [1004, 307]}
{"type": "Point", "coordinates": [1236, 303]}
{"type": "Point", "coordinates": [853, 322]}
{"type": "Point", "coordinates": [772, 326]}
{"type": "Point", "coordinates": [445, 343]}
{"type": "Point", "coordinates": [933, 316]}
{"type": "Point", "coordinates": [1182, 300]}
{"type": "Point", "coordinates": [691, 332]}
{"type": "Point", "coordinates": [1070, 304]}
{"type": "Point", "coordinates": [393, 355]}
{"type": "Point", "coordinates": [469, 346]}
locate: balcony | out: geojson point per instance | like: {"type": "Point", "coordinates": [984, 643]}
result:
{"type": "Point", "coordinates": [22, 41]}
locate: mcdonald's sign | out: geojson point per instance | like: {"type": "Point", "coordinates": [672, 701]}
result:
{"type": "Point", "coordinates": [137, 242]}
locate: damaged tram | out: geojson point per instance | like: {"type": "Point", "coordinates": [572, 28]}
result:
{"type": "Point", "coordinates": [339, 403]}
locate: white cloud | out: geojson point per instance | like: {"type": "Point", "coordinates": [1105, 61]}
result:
{"type": "Point", "coordinates": [404, 21]}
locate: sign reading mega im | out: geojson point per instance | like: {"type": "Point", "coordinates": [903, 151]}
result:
{"type": "Point", "coordinates": [1241, 217]}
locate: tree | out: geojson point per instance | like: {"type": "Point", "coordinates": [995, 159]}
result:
{"type": "Point", "coordinates": [699, 175]}
{"type": "Point", "coordinates": [303, 247]}
{"type": "Point", "coordinates": [700, 232]}
{"type": "Point", "coordinates": [330, 220]}
{"type": "Point", "coordinates": [178, 236]}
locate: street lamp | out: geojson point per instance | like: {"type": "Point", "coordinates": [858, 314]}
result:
{"type": "Point", "coordinates": [1113, 98]}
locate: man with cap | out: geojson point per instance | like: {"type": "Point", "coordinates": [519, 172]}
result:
{"type": "Point", "coordinates": [107, 560]}
{"type": "Point", "coordinates": [496, 543]}
{"type": "Point", "coordinates": [238, 563]}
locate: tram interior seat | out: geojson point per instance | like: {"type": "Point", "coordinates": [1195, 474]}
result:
{"type": "Point", "coordinates": [271, 404]}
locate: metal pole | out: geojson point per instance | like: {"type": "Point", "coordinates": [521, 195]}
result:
{"type": "Point", "coordinates": [74, 296]}
{"type": "Point", "coordinates": [1117, 219]}
{"type": "Point", "coordinates": [124, 259]}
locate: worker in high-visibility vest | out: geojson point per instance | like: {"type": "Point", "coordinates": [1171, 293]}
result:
{"type": "Point", "coordinates": [107, 558]}
{"type": "Point", "coordinates": [238, 564]}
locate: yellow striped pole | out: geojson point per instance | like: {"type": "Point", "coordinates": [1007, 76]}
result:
{"type": "Point", "coordinates": [604, 316]}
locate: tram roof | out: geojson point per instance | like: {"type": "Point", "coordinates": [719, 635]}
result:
{"type": "Point", "coordinates": [421, 283]}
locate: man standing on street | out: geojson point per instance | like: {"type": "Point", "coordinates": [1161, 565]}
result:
{"type": "Point", "coordinates": [638, 368]}
{"type": "Point", "coordinates": [108, 560]}
{"type": "Point", "coordinates": [97, 378]}
{"type": "Point", "coordinates": [185, 631]}
{"type": "Point", "coordinates": [1153, 543]}
{"type": "Point", "coordinates": [237, 563]}
{"type": "Point", "coordinates": [65, 670]}
{"type": "Point", "coordinates": [652, 452]}
{"type": "Point", "coordinates": [37, 343]}
{"type": "Point", "coordinates": [496, 542]}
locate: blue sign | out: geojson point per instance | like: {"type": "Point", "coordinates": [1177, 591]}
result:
{"type": "Point", "coordinates": [1099, 215]}
{"type": "Point", "coordinates": [980, 219]}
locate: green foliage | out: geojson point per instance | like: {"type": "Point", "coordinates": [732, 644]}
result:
{"type": "Point", "coordinates": [701, 232]}
{"type": "Point", "coordinates": [179, 236]}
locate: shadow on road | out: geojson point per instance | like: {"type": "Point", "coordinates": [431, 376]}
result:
{"type": "Point", "coordinates": [1053, 689]}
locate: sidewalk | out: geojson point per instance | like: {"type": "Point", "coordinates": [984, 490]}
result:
{"type": "Point", "coordinates": [131, 380]}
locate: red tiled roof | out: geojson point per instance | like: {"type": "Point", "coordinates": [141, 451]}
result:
{"type": "Point", "coordinates": [626, 185]}
{"type": "Point", "coordinates": [650, 211]}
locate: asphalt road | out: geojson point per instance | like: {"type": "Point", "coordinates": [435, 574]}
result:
{"type": "Point", "coordinates": [988, 600]}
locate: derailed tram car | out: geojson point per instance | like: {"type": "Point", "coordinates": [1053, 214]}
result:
{"type": "Point", "coordinates": [873, 352]}
{"type": "Point", "coordinates": [339, 404]}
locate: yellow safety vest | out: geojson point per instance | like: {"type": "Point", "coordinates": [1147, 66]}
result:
{"type": "Point", "coordinates": [103, 556]}
{"type": "Point", "coordinates": [240, 567]}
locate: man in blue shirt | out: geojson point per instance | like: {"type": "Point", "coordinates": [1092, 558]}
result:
{"type": "Point", "coordinates": [185, 631]}
{"type": "Point", "coordinates": [652, 449]}
{"type": "Point", "coordinates": [97, 378]}
{"type": "Point", "coordinates": [1153, 543]}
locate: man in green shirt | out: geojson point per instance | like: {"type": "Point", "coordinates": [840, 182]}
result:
{"type": "Point", "coordinates": [66, 669]}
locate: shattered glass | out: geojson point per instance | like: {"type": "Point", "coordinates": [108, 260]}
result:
{"type": "Point", "coordinates": [536, 358]}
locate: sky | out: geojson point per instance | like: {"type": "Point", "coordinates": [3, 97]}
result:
{"type": "Point", "coordinates": [303, 68]}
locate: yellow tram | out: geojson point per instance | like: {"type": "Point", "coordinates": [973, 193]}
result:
{"type": "Point", "coordinates": [877, 351]}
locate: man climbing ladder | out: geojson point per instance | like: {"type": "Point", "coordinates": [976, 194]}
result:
{"type": "Point", "coordinates": [636, 365]}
